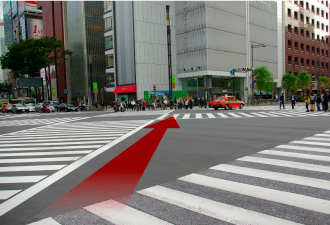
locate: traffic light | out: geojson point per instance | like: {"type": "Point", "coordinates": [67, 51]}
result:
{"type": "Point", "coordinates": [15, 89]}
{"type": "Point", "coordinates": [154, 87]}
{"type": "Point", "coordinates": [245, 69]}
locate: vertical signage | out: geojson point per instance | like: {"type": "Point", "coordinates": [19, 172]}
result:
{"type": "Point", "coordinates": [34, 28]}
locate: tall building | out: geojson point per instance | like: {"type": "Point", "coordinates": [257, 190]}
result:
{"type": "Point", "coordinates": [140, 47]}
{"type": "Point", "coordinates": [307, 39]}
{"type": "Point", "coordinates": [3, 72]}
{"type": "Point", "coordinates": [215, 37]}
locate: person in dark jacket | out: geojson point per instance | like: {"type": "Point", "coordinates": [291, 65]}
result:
{"type": "Point", "coordinates": [293, 101]}
{"type": "Point", "coordinates": [282, 101]}
{"type": "Point", "coordinates": [318, 102]}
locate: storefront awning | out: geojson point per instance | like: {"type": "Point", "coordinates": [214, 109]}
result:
{"type": "Point", "coordinates": [125, 89]}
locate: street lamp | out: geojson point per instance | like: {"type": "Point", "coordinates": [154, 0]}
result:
{"type": "Point", "coordinates": [90, 60]}
{"type": "Point", "coordinates": [252, 47]}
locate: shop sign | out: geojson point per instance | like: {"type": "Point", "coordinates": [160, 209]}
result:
{"type": "Point", "coordinates": [34, 28]}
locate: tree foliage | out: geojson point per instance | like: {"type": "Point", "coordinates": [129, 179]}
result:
{"type": "Point", "coordinates": [29, 56]}
{"type": "Point", "coordinates": [5, 87]}
{"type": "Point", "coordinates": [304, 80]}
{"type": "Point", "coordinates": [290, 82]}
{"type": "Point", "coordinates": [325, 81]}
{"type": "Point", "coordinates": [265, 81]}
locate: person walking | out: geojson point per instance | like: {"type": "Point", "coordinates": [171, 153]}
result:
{"type": "Point", "coordinates": [293, 100]}
{"type": "Point", "coordinates": [318, 102]}
{"type": "Point", "coordinates": [307, 101]}
{"type": "Point", "coordinates": [133, 104]}
{"type": "Point", "coordinates": [143, 105]}
{"type": "Point", "coordinates": [312, 102]}
{"type": "Point", "coordinates": [326, 100]}
{"type": "Point", "coordinates": [282, 101]}
{"type": "Point", "coordinates": [186, 102]}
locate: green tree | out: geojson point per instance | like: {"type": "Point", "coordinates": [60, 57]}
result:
{"type": "Point", "coordinates": [325, 81]}
{"type": "Point", "coordinates": [265, 81]}
{"type": "Point", "coordinates": [304, 80]}
{"type": "Point", "coordinates": [290, 82]}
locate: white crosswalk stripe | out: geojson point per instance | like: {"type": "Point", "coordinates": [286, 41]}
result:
{"type": "Point", "coordinates": [288, 184]}
{"type": "Point", "coordinates": [33, 122]}
{"type": "Point", "coordinates": [268, 114]}
{"type": "Point", "coordinates": [49, 149]}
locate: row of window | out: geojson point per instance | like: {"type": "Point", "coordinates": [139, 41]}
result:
{"type": "Point", "coordinates": [301, 4]}
{"type": "Point", "coordinates": [107, 6]}
{"type": "Point", "coordinates": [307, 49]}
{"type": "Point", "coordinates": [308, 21]}
{"type": "Point", "coordinates": [318, 63]}
{"type": "Point", "coordinates": [302, 33]}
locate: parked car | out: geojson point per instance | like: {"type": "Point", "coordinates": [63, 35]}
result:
{"type": "Point", "coordinates": [226, 102]}
{"type": "Point", "coordinates": [67, 107]}
{"type": "Point", "coordinates": [6, 108]}
{"type": "Point", "coordinates": [31, 107]}
{"type": "Point", "coordinates": [55, 104]}
{"type": "Point", "coordinates": [19, 108]}
{"type": "Point", "coordinates": [40, 105]}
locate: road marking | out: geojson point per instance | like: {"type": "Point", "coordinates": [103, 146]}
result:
{"type": "Point", "coordinates": [296, 155]}
{"type": "Point", "coordinates": [58, 143]}
{"type": "Point", "coordinates": [176, 116]}
{"type": "Point", "coordinates": [120, 214]}
{"type": "Point", "coordinates": [210, 115]}
{"type": "Point", "coordinates": [283, 163]}
{"type": "Point", "coordinates": [50, 141]}
{"type": "Point", "coordinates": [28, 137]}
{"type": "Point", "coordinates": [47, 221]}
{"type": "Point", "coordinates": [269, 114]}
{"type": "Point", "coordinates": [311, 143]}
{"type": "Point", "coordinates": [288, 178]}
{"type": "Point", "coordinates": [21, 179]}
{"type": "Point", "coordinates": [45, 153]}
{"type": "Point", "coordinates": [222, 115]}
{"type": "Point", "coordinates": [5, 194]}
{"type": "Point", "coordinates": [317, 139]}
{"type": "Point", "coordinates": [186, 116]}
{"type": "Point", "coordinates": [322, 135]}
{"type": "Point", "coordinates": [51, 148]}
{"type": "Point", "coordinates": [199, 116]}
{"type": "Point", "coordinates": [257, 114]}
{"type": "Point", "coordinates": [218, 210]}
{"type": "Point", "coordinates": [247, 115]}
{"type": "Point", "coordinates": [25, 160]}
{"type": "Point", "coordinates": [234, 115]}
{"type": "Point", "coordinates": [302, 148]}
{"type": "Point", "coordinates": [31, 168]}
{"type": "Point", "coordinates": [301, 201]}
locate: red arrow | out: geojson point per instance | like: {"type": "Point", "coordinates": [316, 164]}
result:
{"type": "Point", "coordinates": [119, 177]}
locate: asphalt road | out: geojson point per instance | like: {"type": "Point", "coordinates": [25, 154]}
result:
{"type": "Point", "coordinates": [198, 145]}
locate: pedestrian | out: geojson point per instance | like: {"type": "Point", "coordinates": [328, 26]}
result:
{"type": "Point", "coordinates": [180, 103]}
{"type": "Point", "coordinates": [186, 103]}
{"type": "Point", "coordinates": [282, 101]}
{"type": "Point", "coordinates": [293, 100]}
{"type": "Point", "coordinates": [312, 102]}
{"type": "Point", "coordinates": [171, 103]}
{"type": "Point", "coordinates": [143, 105]}
{"type": "Point", "coordinates": [307, 101]}
{"type": "Point", "coordinates": [318, 102]}
{"type": "Point", "coordinates": [326, 100]}
{"type": "Point", "coordinates": [165, 103]}
{"type": "Point", "coordinates": [133, 104]}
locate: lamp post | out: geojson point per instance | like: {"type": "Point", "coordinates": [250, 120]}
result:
{"type": "Point", "coordinates": [90, 60]}
{"type": "Point", "coordinates": [252, 47]}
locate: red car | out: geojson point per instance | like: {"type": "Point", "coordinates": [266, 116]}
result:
{"type": "Point", "coordinates": [226, 102]}
{"type": "Point", "coordinates": [6, 108]}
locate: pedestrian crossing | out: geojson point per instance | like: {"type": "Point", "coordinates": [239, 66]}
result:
{"type": "Point", "coordinates": [35, 122]}
{"type": "Point", "coordinates": [273, 107]}
{"type": "Point", "coordinates": [30, 156]}
{"type": "Point", "coordinates": [228, 115]}
{"type": "Point", "coordinates": [288, 184]}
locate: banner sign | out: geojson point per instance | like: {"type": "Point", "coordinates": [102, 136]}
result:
{"type": "Point", "coordinates": [34, 28]}
{"type": "Point", "coordinates": [29, 82]}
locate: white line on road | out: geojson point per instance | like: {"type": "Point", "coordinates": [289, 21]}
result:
{"type": "Point", "coordinates": [302, 148]}
{"type": "Point", "coordinates": [311, 143]}
{"type": "Point", "coordinates": [26, 160]}
{"type": "Point", "coordinates": [31, 168]}
{"type": "Point", "coordinates": [218, 210]}
{"type": "Point", "coordinates": [247, 115]}
{"type": "Point", "coordinates": [45, 153]}
{"type": "Point", "coordinates": [234, 115]}
{"type": "Point", "coordinates": [317, 139]}
{"type": "Point", "coordinates": [296, 155]}
{"type": "Point", "coordinates": [288, 178]}
{"type": "Point", "coordinates": [257, 114]}
{"type": "Point", "coordinates": [210, 115]}
{"type": "Point", "coordinates": [5, 194]}
{"type": "Point", "coordinates": [82, 139]}
{"type": "Point", "coordinates": [51, 148]}
{"type": "Point", "coordinates": [176, 116]}
{"type": "Point", "coordinates": [47, 221]}
{"type": "Point", "coordinates": [59, 143]}
{"type": "Point", "coordinates": [222, 115]}
{"type": "Point", "coordinates": [186, 116]}
{"type": "Point", "coordinates": [301, 201]}
{"type": "Point", "coordinates": [284, 163]}
{"type": "Point", "coordinates": [21, 179]}
{"type": "Point", "coordinates": [120, 214]}
{"type": "Point", "coordinates": [198, 116]}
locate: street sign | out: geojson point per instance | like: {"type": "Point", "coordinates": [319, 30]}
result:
{"type": "Point", "coordinates": [232, 73]}
{"type": "Point", "coordinates": [255, 85]}
{"type": "Point", "coordinates": [254, 77]}
{"type": "Point", "coordinates": [95, 85]}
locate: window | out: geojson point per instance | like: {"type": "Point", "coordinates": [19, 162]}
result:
{"type": "Point", "coordinates": [289, 60]}
{"type": "Point", "coordinates": [318, 51]}
{"type": "Point", "coordinates": [289, 44]}
{"type": "Point", "coordinates": [327, 40]}
{"type": "Point", "coordinates": [296, 15]}
{"type": "Point", "coordinates": [313, 36]}
{"type": "Point", "coordinates": [318, 11]}
{"type": "Point", "coordinates": [326, 15]}
{"type": "Point", "coordinates": [302, 3]}
{"type": "Point", "coordinates": [313, 8]}
{"type": "Point", "coordinates": [307, 48]}
{"type": "Point", "coordinates": [326, 28]}
{"type": "Point", "coordinates": [313, 50]}
{"type": "Point", "coordinates": [296, 2]}
{"type": "Point", "coordinates": [322, 13]}
{"type": "Point", "coordinates": [322, 26]}
{"type": "Point", "coordinates": [302, 47]}
{"type": "Point", "coordinates": [296, 30]}
{"type": "Point", "coordinates": [322, 39]}
{"type": "Point", "coordinates": [322, 52]}
{"type": "Point", "coordinates": [107, 6]}
{"type": "Point", "coordinates": [326, 53]}
{"type": "Point", "coordinates": [302, 62]}
{"type": "Point", "coordinates": [289, 28]}
{"type": "Point", "coordinates": [313, 22]}
{"type": "Point", "coordinates": [313, 63]}
{"type": "Point", "coordinates": [296, 46]}
{"type": "Point", "coordinates": [326, 3]}
{"type": "Point", "coordinates": [108, 23]}
{"type": "Point", "coordinates": [317, 24]}
{"type": "Point", "coordinates": [307, 62]}
{"type": "Point", "coordinates": [289, 12]}
{"type": "Point", "coordinates": [295, 61]}
{"type": "Point", "coordinates": [110, 79]}
{"type": "Point", "coordinates": [108, 42]}
{"type": "Point", "coordinates": [302, 32]}
{"type": "Point", "coordinates": [326, 65]}
{"type": "Point", "coordinates": [318, 37]}
{"type": "Point", "coordinates": [109, 60]}
{"type": "Point", "coordinates": [307, 5]}
{"type": "Point", "coordinates": [322, 65]}
{"type": "Point", "coordinates": [307, 34]}
{"type": "Point", "coordinates": [307, 19]}
{"type": "Point", "coordinates": [302, 17]}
